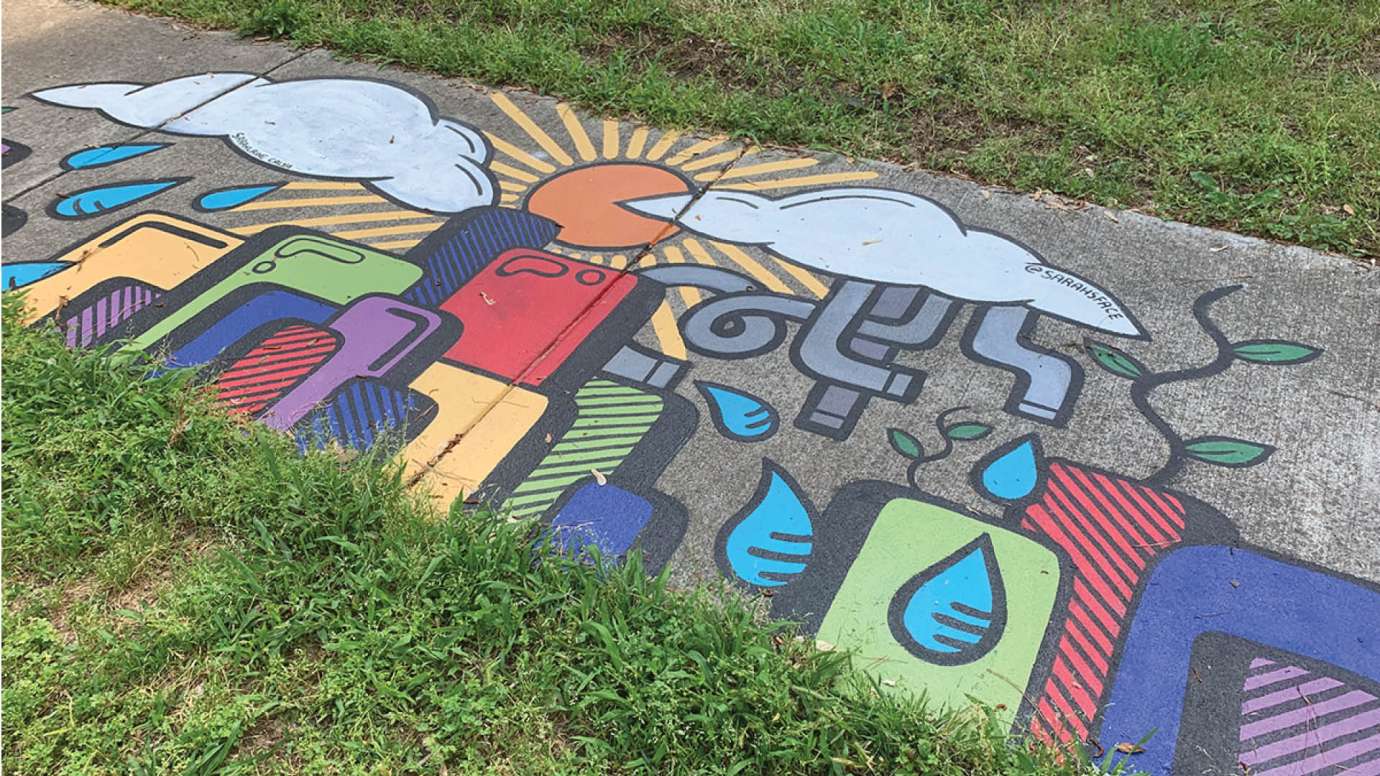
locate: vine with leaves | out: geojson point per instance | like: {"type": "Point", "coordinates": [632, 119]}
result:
{"type": "Point", "coordinates": [909, 447]}
{"type": "Point", "coordinates": [1213, 449]}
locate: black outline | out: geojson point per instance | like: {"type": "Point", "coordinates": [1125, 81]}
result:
{"type": "Point", "coordinates": [14, 220]}
{"type": "Point", "coordinates": [18, 152]}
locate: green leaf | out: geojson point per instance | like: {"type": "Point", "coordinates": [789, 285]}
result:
{"type": "Point", "coordinates": [904, 443]}
{"type": "Point", "coordinates": [967, 432]}
{"type": "Point", "coordinates": [1113, 360]}
{"type": "Point", "coordinates": [1226, 451]}
{"type": "Point", "coordinates": [1275, 352]}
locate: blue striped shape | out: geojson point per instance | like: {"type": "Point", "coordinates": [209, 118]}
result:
{"type": "Point", "coordinates": [357, 416]}
{"type": "Point", "coordinates": [464, 253]}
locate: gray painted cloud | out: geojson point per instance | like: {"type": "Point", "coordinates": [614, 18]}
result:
{"type": "Point", "coordinates": [897, 238]}
{"type": "Point", "coordinates": [379, 134]}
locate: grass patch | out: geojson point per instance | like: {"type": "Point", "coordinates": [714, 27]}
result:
{"type": "Point", "coordinates": [184, 593]}
{"type": "Point", "coordinates": [1257, 117]}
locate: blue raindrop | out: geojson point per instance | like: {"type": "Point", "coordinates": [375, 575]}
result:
{"type": "Point", "coordinates": [738, 414]}
{"type": "Point", "coordinates": [102, 199]}
{"type": "Point", "coordinates": [102, 156]}
{"type": "Point", "coordinates": [20, 274]}
{"type": "Point", "coordinates": [952, 612]}
{"type": "Point", "coordinates": [1012, 475]}
{"type": "Point", "coordinates": [223, 199]}
{"type": "Point", "coordinates": [772, 535]}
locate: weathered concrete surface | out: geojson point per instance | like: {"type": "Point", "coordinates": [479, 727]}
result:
{"type": "Point", "coordinates": [1201, 501]}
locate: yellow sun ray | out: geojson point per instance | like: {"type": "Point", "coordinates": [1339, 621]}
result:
{"type": "Point", "coordinates": [395, 244]}
{"type": "Point", "coordinates": [698, 252]}
{"type": "Point", "coordinates": [279, 204]}
{"type": "Point", "coordinates": [710, 161]}
{"type": "Point", "coordinates": [512, 172]}
{"type": "Point", "coordinates": [510, 186]}
{"type": "Point", "coordinates": [520, 155]}
{"type": "Point", "coordinates": [351, 218]}
{"type": "Point", "coordinates": [509, 199]}
{"type": "Point", "coordinates": [663, 145]}
{"type": "Point", "coordinates": [637, 142]}
{"type": "Point", "coordinates": [380, 231]}
{"type": "Point", "coordinates": [804, 278]}
{"type": "Point", "coordinates": [755, 269]}
{"type": "Point", "coordinates": [576, 130]}
{"type": "Point", "coordinates": [804, 180]}
{"type": "Point", "coordinates": [321, 186]}
{"type": "Point", "coordinates": [529, 126]}
{"type": "Point", "coordinates": [610, 139]}
{"type": "Point", "coordinates": [695, 150]}
{"type": "Point", "coordinates": [764, 168]}
{"type": "Point", "coordinates": [664, 327]}
{"type": "Point", "coordinates": [688, 294]}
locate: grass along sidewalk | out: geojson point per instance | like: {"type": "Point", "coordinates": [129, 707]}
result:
{"type": "Point", "coordinates": [1260, 117]}
{"type": "Point", "coordinates": [184, 593]}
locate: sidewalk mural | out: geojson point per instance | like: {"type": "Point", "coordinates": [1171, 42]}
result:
{"type": "Point", "coordinates": [521, 331]}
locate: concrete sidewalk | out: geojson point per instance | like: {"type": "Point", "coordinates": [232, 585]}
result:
{"type": "Point", "coordinates": [1111, 473]}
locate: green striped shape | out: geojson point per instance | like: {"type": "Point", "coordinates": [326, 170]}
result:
{"type": "Point", "coordinates": [611, 419]}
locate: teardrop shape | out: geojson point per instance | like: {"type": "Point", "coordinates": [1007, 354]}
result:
{"type": "Point", "coordinates": [954, 611]}
{"type": "Point", "coordinates": [770, 541]}
{"type": "Point", "coordinates": [20, 274]}
{"type": "Point", "coordinates": [103, 156]}
{"type": "Point", "coordinates": [1010, 473]}
{"type": "Point", "coordinates": [738, 414]}
{"type": "Point", "coordinates": [103, 199]}
{"type": "Point", "coordinates": [224, 199]}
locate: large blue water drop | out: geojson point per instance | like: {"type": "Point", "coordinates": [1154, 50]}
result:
{"type": "Point", "coordinates": [102, 156]}
{"type": "Point", "coordinates": [1012, 474]}
{"type": "Point", "coordinates": [738, 414]}
{"type": "Point", "coordinates": [224, 199]}
{"type": "Point", "coordinates": [954, 611]}
{"type": "Point", "coordinates": [22, 273]}
{"type": "Point", "coordinates": [770, 540]}
{"type": "Point", "coordinates": [103, 199]}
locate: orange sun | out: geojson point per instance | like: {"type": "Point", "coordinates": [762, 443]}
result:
{"type": "Point", "coordinates": [585, 202]}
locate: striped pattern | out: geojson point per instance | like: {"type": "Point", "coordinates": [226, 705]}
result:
{"type": "Point", "coordinates": [268, 371]}
{"type": "Point", "coordinates": [357, 416]}
{"type": "Point", "coordinates": [611, 420]}
{"type": "Point", "coordinates": [95, 320]}
{"type": "Point", "coordinates": [1296, 722]}
{"type": "Point", "coordinates": [1111, 528]}
{"type": "Point", "coordinates": [468, 250]}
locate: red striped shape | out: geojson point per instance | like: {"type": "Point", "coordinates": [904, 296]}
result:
{"type": "Point", "coordinates": [270, 370]}
{"type": "Point", "coordinates": [1110, 528]}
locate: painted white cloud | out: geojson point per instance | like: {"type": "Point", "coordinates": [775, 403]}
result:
{"type": "Point", "coordinates": [895, 238]}
{"type": "Point", "coordinates": [381, 135]}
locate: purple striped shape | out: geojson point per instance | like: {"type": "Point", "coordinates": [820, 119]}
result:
{"type": "Point", "coordinates": [1354, 757]}
{"type": "Point", "coordinates": [1313, 737]}
{"type": "Point", "coordinates": [1332, 758]}
{"type": "Point", "coordinates": [1294, 693]}
{"type": "Point", "coordinates": [95, 320]}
